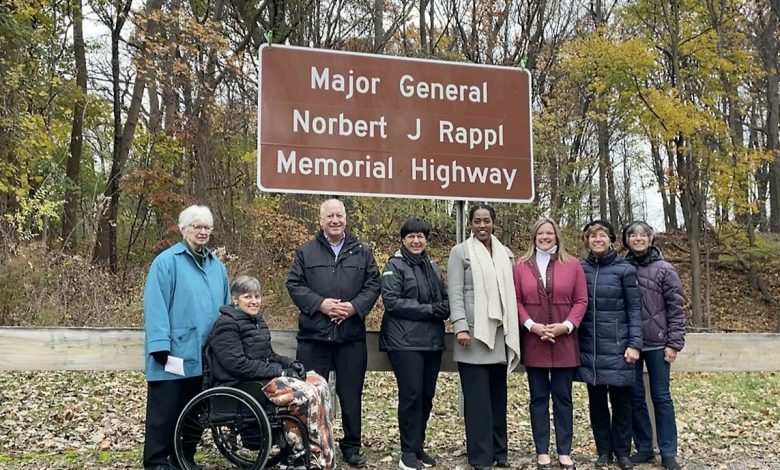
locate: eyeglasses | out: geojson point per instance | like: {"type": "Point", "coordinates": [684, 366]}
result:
{"type": "Point", "coordinates": [199, 228]}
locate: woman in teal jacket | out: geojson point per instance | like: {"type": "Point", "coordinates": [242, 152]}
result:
{"type": "Point", "coordinates": [184, 289]}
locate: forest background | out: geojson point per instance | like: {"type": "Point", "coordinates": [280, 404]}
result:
{"type": "Point", "coordinates": [104, 138]}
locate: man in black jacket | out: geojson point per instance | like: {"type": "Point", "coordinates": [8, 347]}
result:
{"type": "Point", "coordinates": [334, 282]}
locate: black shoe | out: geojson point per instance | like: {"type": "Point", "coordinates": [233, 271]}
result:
{"type": "Point", "coordinates": [543, 466]}
{"type": "Point", "coordinates": [295, 464]}
{"type": "Point", "coordinates": [643, 456]}
{"type": "Point", "coordinates": [625, 463]}
{"type": "Point", "coordinates": [355, 459]}
{"type": "Point", "coordinates": [174, 465]}
{"type": "Point", "coordinates": [568, 466]}
{"type": "Point", "coordinates": [480, 467]}
{"type": "Point", "coordinates": [670, 463]}
{"type": "Point", "coordinates": [603, 461]}
{"type": "Point", "coordinates": [502, 463]}
{"type": "Point", "coordinates": [408, 461]}
{"type": "Point", "coordinates": [426, 460]}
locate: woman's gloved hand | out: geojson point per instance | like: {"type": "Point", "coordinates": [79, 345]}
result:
{"type": "Point", "coordinates": [441, 311]}
{"type": "Point", "coordinates": [160, 356]}
{"type": "Point", "coordinates": [299, 369]}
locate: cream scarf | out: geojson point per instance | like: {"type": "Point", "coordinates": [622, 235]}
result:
{"type": "Point", "coordinates": [495, 303]}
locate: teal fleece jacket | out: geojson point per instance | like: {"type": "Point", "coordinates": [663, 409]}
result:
{"type": "Point", "coordinates": [181, 303]}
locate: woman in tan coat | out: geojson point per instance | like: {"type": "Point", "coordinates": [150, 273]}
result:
{"type": "Point", "coordinates": [484, 317]}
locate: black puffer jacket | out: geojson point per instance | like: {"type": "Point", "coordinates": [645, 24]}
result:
{"type": "Point", "coordinates": [663, 301]}
{"type": "Point", "coordinates": [612, 321]}
{"type": "Point", "coordinates": [317, 274]}
{"type": "Point", "coordinates": [407, 324]}
{"type": "Point", "coordinates": [240, 349]}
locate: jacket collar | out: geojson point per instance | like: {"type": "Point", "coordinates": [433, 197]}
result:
{"type": "Point", "coordinates": [236, 314]}
{"type": "Point", "coordinates": [651, 255]}
{"type": "Point", "coordinates": [182, 247]}
{"type": "Point", "coordinates": [609, 257]}
{"type": "Point", "coordinates": [349, 240]}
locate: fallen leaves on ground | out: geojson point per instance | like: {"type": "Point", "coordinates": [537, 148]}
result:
{"type": "Point", "coordinates": [53, 420]}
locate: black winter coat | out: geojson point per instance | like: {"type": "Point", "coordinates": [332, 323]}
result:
{"type": "Point", "coordinates": [663, 301]}
{"type": "Point", "coordinates": [240, 349]}
{"type": "Point", "coordinates": [612, 321]}
{"type": "Point", "coordinates": [407, 324]}
{"type": "Point", "coordinates": [317, 273]}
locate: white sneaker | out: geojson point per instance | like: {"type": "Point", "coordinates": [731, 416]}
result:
{"type": "Point", "coordinates": [426, 460]}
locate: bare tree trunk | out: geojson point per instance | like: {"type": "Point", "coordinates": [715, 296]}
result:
{"type": "Point", "coordinates": [628, 210]}
{"type": "Point", "coordinates": [73, 166]}
{"type": "Point", "coordinates": [692, 213]}
{"type": "Point", "coordinates": [379, 28]}
{"type": "Point", "coordinates": [106, 238]}
{"type": "Point", "coordinates": [719, 15]}
{"type": "Point", "coordinates": [431, 30]}
{"type": "Point", "coordinates": [770, 59]}
{"type": "Point", "coordinates": [103, 238]}
{"type": "Point", "coordinates": [603, 139]}
{"type": "Point", "coordinates": [606, 179]}
{"type": "Point", "coordinates": [670, 219]}
{"type": "Point", "coordinates": [760, 219]}
{"type": "Point", "coordinates": [614, 207]}
{"type": "Point", "coordinates": [423, 28]}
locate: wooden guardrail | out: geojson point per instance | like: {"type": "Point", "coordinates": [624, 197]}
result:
{"type": "Point", "coordinates": [122, 349]}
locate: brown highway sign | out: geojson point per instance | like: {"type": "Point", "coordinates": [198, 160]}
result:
{"type": "Point", "coordinates": [333, 122]}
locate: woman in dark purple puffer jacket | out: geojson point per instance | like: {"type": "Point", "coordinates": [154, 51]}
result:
{"type": "Point", "coordinates": [663, 327]}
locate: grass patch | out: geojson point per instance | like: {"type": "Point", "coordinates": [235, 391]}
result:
{"type": "Point", "coordinates": [75, 420]}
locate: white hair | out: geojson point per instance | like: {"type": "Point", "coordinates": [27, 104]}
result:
{"type": "Point", "coordinates": [322, 206]}
{"type": "Point", "coordinates": [193, 213]}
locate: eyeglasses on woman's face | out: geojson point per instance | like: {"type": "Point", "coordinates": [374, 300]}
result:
{"type": "Point", "coordinates": [201, 228]}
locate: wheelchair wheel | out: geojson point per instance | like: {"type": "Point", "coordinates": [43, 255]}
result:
{"type": "Point", "coordinates": [279, 447]}
{"type": "Point", "coordinates": [222, 423]}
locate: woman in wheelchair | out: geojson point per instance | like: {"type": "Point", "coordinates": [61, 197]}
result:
{"type": "Point", "coordinates": [240, 355]}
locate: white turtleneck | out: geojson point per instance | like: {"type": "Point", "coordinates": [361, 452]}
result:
{"type": "Point", "coordinates": [542, 261]}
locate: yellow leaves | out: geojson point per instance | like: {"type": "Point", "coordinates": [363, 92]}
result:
{"type": "Point", "coordinates": [249, 157]}
{"type": "Point", "coordinates": [607, 62]}
{"type": "Point", "coordinates": [34, 210]}
{"type": "Point", "coordinates": [733, 177]}
{"type": "Point", "coordinates": [669, 115]}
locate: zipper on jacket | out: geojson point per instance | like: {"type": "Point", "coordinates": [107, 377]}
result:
{"type": "Point", "coordinates": [595, 284]}
{"type": "Point", "coordinates": [617, 335]}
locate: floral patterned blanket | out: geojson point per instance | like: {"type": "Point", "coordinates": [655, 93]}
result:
{"type": "Point", "coordinates": [308, 401]}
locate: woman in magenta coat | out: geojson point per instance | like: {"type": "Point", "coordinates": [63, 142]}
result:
{"type": "Point", "coordinates": [551, 301]}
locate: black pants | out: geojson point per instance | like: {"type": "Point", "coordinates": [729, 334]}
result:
{"type": "Point", "coordinates": [349, 361]}
{"type": "Point", "coordinates": [251, 436]}
{"type": "Point", "coordinates": [543, 383]}
{"type": "Point", "coordinates": [165, 400]}
{"type": "Point", "coordinates": [484, 400]}
{"type": "Point", "coordinates": [612, 434]}
{"type": "Point", "coordinates": [415, 373]}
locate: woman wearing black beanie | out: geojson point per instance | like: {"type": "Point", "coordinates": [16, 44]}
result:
{"type": "Point", "coordinates": [610, 342]}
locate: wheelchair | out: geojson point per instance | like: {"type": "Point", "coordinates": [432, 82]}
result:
{"type": "Point", "coordinates": [225, 427]}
